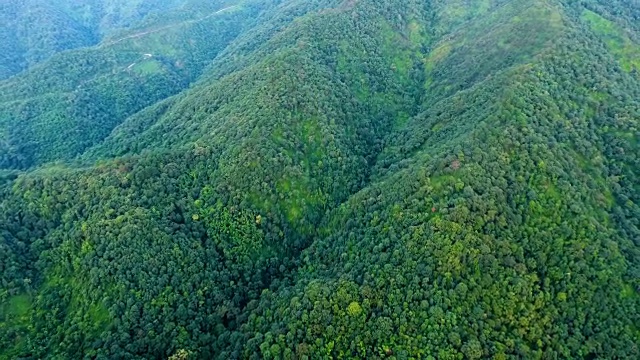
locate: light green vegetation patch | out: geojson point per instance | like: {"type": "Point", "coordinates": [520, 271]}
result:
{"type": "Point", "coordinates": [628, 292]}
{"type": "Point", "coordinates": [15, 313]}
{"type": "Point", "coordinates": [148, 67]}
{"type": "Point", "coordinates": [159, 43]}
{"type": "Point", "coordinates": [301, 193]}
{"type": "Point", "coordinates": [617, 40]}
{"type": "Point", "coordinates": [456, 12]}
{"type": "Point", "coordinates": [17, 305]}
{"type": "Point", "coordinates": [400, 55]}
{"type": "Point", "coordinates": [472, 53]}
{"type": "Point", "coordinates": [417, 35]}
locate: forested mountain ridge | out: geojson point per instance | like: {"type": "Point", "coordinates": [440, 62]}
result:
{"type": "Point", "coordinates": [34, 30]}
{"type": "Point", "coordinates": [342, 179]}
{"type": "Point", "coordinates": [58, 109]}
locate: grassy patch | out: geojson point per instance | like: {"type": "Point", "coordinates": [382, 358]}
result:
{"type": "Point", "coordinates": [402, 118]}
{"type": "Point", "coordinates": [552, 193]}
{"type": "Point", "coordinates": [628, 292]}
{"type": "Point", "coordinates": [441, 181]}
{"type": "Point", "coordinates": [628, 136]}
{"type": "Point", "coordinates": [434, 58]}
{"type": "Point", "coordinates": [401, 56]}
{"type": "Point", "coordinates": [18, 305]}
{"type": "Point", "coordinates": [300, 196]}
{"type": "Point", "coordinates": [15, 314]}
{"type": "Point", "coordinates": [417, 36]}
{"type": "Point", "coordinates": [148, 67]}
{"type": "Point", "coordinates": [456, 12]}
{"type": "Point", "coordinates": [616, 39]}
{"type": "Point", "coordinates": [99, 315]}
{"type": "Point", "coordinates": [499, 40]}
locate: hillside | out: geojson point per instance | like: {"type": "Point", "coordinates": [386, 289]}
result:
{"type": "Point", "coordinates": [74, 100]}
{"type": "Point", "coordinates": [327, 179]}
{"type": "Point", "coordinates": [35, 30]}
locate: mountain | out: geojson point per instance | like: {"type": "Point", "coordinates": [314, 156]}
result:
{"type": "Point", "coordinates": [34, 30]}
{"type": "Point", "coordinates": [63, 106]}
{"type": "Point", "coordinates": [327, 179]}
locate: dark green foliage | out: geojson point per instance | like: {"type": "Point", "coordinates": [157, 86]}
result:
{"type": "Point", "coordinates": [328, 179]}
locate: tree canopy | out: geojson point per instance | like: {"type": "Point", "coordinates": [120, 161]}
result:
{"type": "Point", "coordinates": [291, 179]}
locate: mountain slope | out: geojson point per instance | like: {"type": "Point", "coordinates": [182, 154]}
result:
{"type": "Point", "coordinates": [472, 251]}
{"type": "Point", "coordinates": [34, 30]}
{"type": "Point", "coordinates": [344, 179]}
{"type": "Point", "coordinates": [71, 102]}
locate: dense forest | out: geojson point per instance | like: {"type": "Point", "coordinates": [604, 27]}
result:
{"type": "Point", "coordinates": [313, 179]}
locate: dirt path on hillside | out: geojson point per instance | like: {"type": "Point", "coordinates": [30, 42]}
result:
{"type": "Point", "coordinates": [143, 33]}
